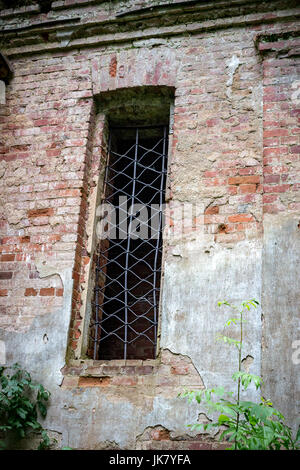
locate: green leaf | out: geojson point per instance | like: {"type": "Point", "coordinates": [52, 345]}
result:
{"type": "Point", "coordinates": [232, 320]}
{"type": "Point", "coordinates": [22, 413]}
{"type": "Point", "coordinates": [298, 435]}
{"type": "Point", "coordinates": [19, 400]}
{"type": "Point", "coordinates": [228, 340]}
{"type": "Point", "coordinates": [223, 419]}
{"type": "Point", "coordinates": [249, 425]}
{"type": "Point", "coordinates": [219, 391]}
{"type": "Point", "coordinates": [224, 302]}
{"type": "Point", "coordinates": [34, 424]}
{"type": "Point", "coordinates": [43, 409]}
{"type": "Point", "coordinates": [246, 379]}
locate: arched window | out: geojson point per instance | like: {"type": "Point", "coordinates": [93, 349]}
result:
{"type": "Point", "coordinates": [125, 304]}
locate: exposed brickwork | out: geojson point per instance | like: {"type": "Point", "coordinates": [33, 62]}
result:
{"type": "Point", "coordinates": [281, 123]}
{"type": "Point", "coordinates": [160, 438]}
{"type": "Point", "coordinates": [42, 185]}
{"type": "Point", "coordinates": [46, 161]}
{"type": "Point", "coordinates": [85, 258]}
{"type": "Point", "coordinates": [172, 372]}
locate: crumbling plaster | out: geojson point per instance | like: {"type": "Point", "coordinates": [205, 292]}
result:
{"type": "Point", "coordinates": [44, 356]}
{"type": "Point", "coordinates": [281, 300]}
{"type": "Point", "coordinates": [191, 319]}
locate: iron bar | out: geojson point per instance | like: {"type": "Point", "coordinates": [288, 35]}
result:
{"type": "Point", "coordinates": [128, 242]}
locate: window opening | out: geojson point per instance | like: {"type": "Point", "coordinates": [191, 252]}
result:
{"type": "Point", "coordinates": [128, 262]}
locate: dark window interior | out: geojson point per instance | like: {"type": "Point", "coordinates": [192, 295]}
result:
{"type": "Point", "coordinates": [128, 270]}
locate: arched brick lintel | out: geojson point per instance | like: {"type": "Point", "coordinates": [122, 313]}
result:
{"type": "Point", "coordinates": [134, 68]}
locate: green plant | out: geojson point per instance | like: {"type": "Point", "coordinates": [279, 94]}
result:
{"type": "Point", "coordinates": [248, 425]}
{"type": "Point", "coordinates": [21, 401]}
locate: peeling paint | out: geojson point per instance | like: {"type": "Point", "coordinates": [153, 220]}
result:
{"type": "Point", "coordinates": [247, 362]}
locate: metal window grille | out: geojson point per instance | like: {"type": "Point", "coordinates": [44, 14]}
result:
{"type": "Point", "coordinates": [128, 268]}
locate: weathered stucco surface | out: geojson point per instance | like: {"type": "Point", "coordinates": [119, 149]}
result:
{"type": "Point", "coordinates": [281, 313]}
{"type": "Point", "coordinates": [42, 348]}
{"type": "Point", "coordinates": [191, 319]}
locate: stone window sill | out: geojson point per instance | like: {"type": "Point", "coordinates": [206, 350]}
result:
{"type": "Point", "coordinates": [169, 372]}
{"type": "Point", "coordinates": [90, 373]}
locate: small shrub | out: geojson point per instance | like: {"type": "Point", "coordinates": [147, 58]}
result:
{"type": "Point", "coordinates": [248, 425]}
{"type": "Point", "coordinates": [21, 401]}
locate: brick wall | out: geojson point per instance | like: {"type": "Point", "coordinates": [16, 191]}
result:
{"type": "Point", "coordinates": [43, 155]}
{"type": "Point", "coordinates": [281, 123]}
{"type": "Point", "coordinates": [45, 149]}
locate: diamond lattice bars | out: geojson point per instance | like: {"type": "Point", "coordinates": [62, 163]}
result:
{"type": "Point", "coordinates": [128, 267]}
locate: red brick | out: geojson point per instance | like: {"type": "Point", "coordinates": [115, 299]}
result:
{"type": "Point", "coordinates": [270, 198]}
{"type": "Point", "coordinates": [271, 178]}
{"type": "Point", "coordinates": [40, 212]}
{"type": "Point", "coordinates": [94, 381]}
{"type": "Point", "coordinates": [271, 209]}
{"type": "Point", "coordinates": [8, 257]}
{"type": "Point", "coordinates": [128, 370]}
{"type": "Point", "coordinates": [244, 179]}
{"type": "Point", "coordinates": [160, 435]}
{"type": "Point", "coordinates": [211, 174]}
{"type": "Point", "coordinates": [247, 188]}
{"type": "Point", "coordinates": [276, 188]}
{"type": "Point", "coordinates": [180, 370]}
{"type": "Point", "coordinates": [3, 292]}
{"type": "Point", "coordinates": [200, 446]}
{"type": "Point", "coordinates": [276, 133]}
{"type": "Point", "coordinates": [144, 370]}
{"type": "Point", "coordinates": [124, 381]}
{"type": "Point", "coordinates": [111, 370]}
{"type": "Point", "coordinates": [295, 149]}
{"type": "Point", "coordinates": [70, 381]}
{"type": "Point", "coordinates": [113, 66]}
{"type": "Point", "coordinates": [53, 153]}
{"type": "Point", "coordinates": [248, 170]}
{"type": "Point", "coordinates": [5, 275]}
{"type": "Point", "coordinates": [212, 210]}
{"type": "Point", "coordinates": [44, 121]}
{"type": "Point", "coordinates": [232, 190]}
{"type": "Point", "coordinates": [214, 219]}
{"type": "Point", "coordinates": [240, 218]}
{"type": "Point", "coordinates": [30, 292]}
{"type": "Point", "coordinates": [275, 151]}
{"type": "Point", "coordinates": [47, 291]}
{"type": "Point", "coordinates": [77, 333]}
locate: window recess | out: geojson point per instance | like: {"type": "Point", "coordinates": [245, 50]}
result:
{"type": "Point", "coordinates": [125, 306]}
